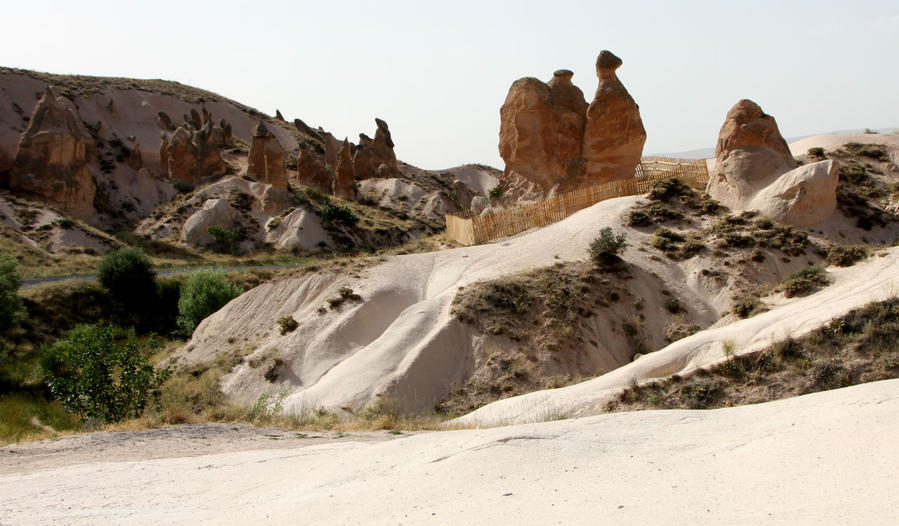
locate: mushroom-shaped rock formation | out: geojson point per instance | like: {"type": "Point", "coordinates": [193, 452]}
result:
{"type": "Point", "coordinates": [614, 133]}
{"type": "Point", "coordinates": [266, 161]}
{"type": "Point", "coordinates": [750, 155]}
{"type": "Point", "coordinates": [53, 157]}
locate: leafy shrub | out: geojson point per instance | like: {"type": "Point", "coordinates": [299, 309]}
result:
{"type": "Point", "coordinates": [607, 248]}
{"type": "Point", "coordinates": [11, 308]}
{"type": "Point", "coordinates": [746, 306]}
{"type": "Point", "coordinates": [343, 294]}
{"type": "Point", "coordinates": [804, 280]}
{"type": "Point", "coordinates": [242, 201]}
{"type": "Point", "coordinates": [128, 275]}
{"type": "Point", "coordinates": [637, 218]}
{"type": "Point", "coordinates": [223, 239]}
{"type": "Point", "coordinates": [287, 324]}
{"type": "Point", "coordinates": [816, 152]}
{"type": "Point", "coordinates": [846, 256]}
{"type": "Point", "coordinates": [65, 223]}
{"type": "Point", "coordinates": [339, 214]}
{"type": "Point", "coordinates": [674, 245]}
{"type": "Point", "coordinates": [667, 189]}
{"type": "Point", "coordinates": [204, 293]}
{"type": "Point", "coordinates": [495, 192]}
{"type": "Point", "coordinates": [99, 376]}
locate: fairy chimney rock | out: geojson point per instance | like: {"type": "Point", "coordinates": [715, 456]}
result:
{"type": "Point", "coordinates": [614, 133]}
{"type": "Point", "coordinates": [382, 149]}
{"type": "Point", "coordinates": [266, 159]}
{"type": "Point", "coordinates": [53, 155]}
{"type": "Point", "coordinates": [312, 172]}
{"type": "Point", "coordinates": [344, 181]}
{"type": "Point", "coordinates": [190, 153]}
{"type": "Point", "coordinates": [541, 130]}
{"type": "Point", "coordinates": [750, 154]}
{"type": "Point", "coordinates": [331, 149]}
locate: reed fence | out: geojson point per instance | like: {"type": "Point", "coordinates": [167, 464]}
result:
{"type": "Point", "coordinates": [469, 228]}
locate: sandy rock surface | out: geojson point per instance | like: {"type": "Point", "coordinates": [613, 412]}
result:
{"type": "Point", "coordinates": [822, 458]}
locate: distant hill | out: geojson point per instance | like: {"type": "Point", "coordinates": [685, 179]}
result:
{"type": "Point", "coordinates": [705, 153]}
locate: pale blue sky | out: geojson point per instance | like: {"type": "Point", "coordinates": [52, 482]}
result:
{"type": "Point", "coordinates": [438, 72]}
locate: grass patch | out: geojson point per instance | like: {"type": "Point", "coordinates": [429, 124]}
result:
{"type": "Point", "coordinates": [860, 347]}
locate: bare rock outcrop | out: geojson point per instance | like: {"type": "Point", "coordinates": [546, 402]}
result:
{"type": "Point", "coordinates": [802, 197]}
{"type": "Point", "coordinates": [215, 212]}
{"type": "Point", "coordinates": [53, 157]}
{"type": "Point", "coordinates": [266, 161]}
{"type": "Point", "coordinates": [312, 172]}
{"type": "Point", "coordinates": [344, 180]}
{"type": "Point", "coordinates": [191, 153]}
{"type": "Point", "coordinates": [750, 155]}
{"type": "Point", "coordinates": [614, 133]}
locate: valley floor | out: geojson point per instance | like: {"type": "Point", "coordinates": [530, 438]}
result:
{"type": "Point", "coordinates": [826, 457]}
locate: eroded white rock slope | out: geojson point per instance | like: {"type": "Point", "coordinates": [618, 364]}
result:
{"type": "Point", "coordinates": [825, 458]}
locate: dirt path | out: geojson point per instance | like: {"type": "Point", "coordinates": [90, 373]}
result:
{"type": "Point", "coordinates": [189, 440]}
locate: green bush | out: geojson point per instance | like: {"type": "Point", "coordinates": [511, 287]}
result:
{"type": "Point", "coordinates": [100, 376]}
{"type": "Point", "coordinates": [287, 324]}
{"type": "Point", "coordinates": [817, 151]}
{"type": "Point", "coordinates": [666, 189]}
{"type": "Point", "coordinates": [65, 223]}
{"type": "Point", "coordinates": [495, 192]}
{"type": "Point", "coordinates": [339, 214]}
{"type": "Point", "coordinates": [804, 280]}
{"type": "Point", "coordinates": [11, 308]}
{"type": "Point", "coordinates": [204, 293]}
{"type": "Point", "coordinates": [607, 248]}
{"type": "Point", "coordinates": [223, 239]}
{"type": "Point", "coordinates": [128, 275]}
{"type": "Point", "coordinates": [637, 218]}
{"type": "Point", "coordinates": [846, 256]}
{"type": "Point", "coordinates": [746, 306]}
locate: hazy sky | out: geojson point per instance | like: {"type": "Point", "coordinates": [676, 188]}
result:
{"type": "Point", "coordinates": [439, 72]}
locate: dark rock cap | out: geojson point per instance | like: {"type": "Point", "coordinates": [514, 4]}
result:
{"type": "Point", "coordinates": [260, 130]}
{"type": "Point", "coordinates": [607, 60]}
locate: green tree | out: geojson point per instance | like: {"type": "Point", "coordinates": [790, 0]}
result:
{"type": "Point", "coordinates": [605, 249]}
{"type": "Point", "coordinates": [100, 376]}
{"type": "Point", "coordinates": [128, 275]}
{"type": "Point", "coordinates": [204, 293]}
{"type": "Point", "coordinates": [11, 309]}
